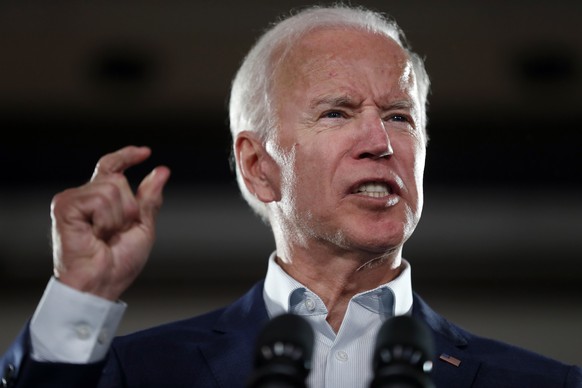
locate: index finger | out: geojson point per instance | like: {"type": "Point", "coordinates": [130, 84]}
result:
{"type": "Point", "coordinates": [120, 160]}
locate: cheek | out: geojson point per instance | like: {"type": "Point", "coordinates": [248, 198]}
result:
{"type": "Point", "coordinates": [419, 162]}
{"type": "Point", "coordinates": [412, 161]}
{"type": "Point", "coordinates": [313, 175]}
{"type": "Point", "coordinates": [318, 160]}
{"type": "Point", "coordinates": [308, 170]}
{"type": "Point", "coordinates": [414, 152]}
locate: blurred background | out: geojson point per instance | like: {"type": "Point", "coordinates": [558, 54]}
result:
{"type": "Point", "coordinates": [497, 250]}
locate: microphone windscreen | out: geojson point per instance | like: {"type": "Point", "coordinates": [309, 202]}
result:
{"type": "Point", "coordinates": [283, 353]}
{"type": "Point", "coordinates": [403, 353]}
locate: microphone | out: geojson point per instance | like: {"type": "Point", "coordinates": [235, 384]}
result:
{"type": "Point", "coordinates": [403, 354]}
{"type": "Point", "coordinates": [283, 354]}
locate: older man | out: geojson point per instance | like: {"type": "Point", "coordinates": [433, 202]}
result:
{"type": "Point", "coordinates": [328, 120]}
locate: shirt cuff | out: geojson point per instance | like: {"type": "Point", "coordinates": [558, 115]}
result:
{"type": "Point", "coordinates": [72, 326]}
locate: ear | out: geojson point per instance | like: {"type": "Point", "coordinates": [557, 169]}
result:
{"type": "Point", "coordinates": [259, 171]}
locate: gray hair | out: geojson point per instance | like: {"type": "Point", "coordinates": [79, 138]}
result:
{"type": "Point", "coordinates": [250, 99]}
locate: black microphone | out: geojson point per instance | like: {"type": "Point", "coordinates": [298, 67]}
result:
{"type": "Point", "coordinates": [283, 354]}
{"type": "Point", "coordinates": [403, 354]}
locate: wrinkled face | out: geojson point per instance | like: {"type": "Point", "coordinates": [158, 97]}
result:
{"type": "Point", "coordinates": [350, 147]}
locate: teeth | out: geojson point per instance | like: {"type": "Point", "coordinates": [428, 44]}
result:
{"type": "Point", "coordinates": [376, 190]}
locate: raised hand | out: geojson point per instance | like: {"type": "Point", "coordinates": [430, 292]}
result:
{"type": "Point", "coordinates": [102, 232]}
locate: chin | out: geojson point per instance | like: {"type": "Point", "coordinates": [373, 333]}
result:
{"type": "Point", "coordinates": [379, 243]}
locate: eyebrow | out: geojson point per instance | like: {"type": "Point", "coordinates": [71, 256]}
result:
{"type": "Point", "coordinates": [343, 100]}
{"type": "Point", "coordinates": [348, 101]}
{"type": "Point", "coordinates": [400, 104]}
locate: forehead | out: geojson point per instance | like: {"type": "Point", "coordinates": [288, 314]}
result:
{"type": "Point", "coordinates": [356, 39]}
{"type": "Point", "coordinates": [345, 55]}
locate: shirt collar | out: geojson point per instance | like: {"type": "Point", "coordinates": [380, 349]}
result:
{"type": "Point", "coordinates": [282, 294]}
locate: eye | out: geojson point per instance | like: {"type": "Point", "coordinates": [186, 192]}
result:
{"type": "Point", "coordinates": [399, 118]}
{"type": "Point", "coordinates": [333, 114]}
{"type": "Point", "coordinates": [401, 122]}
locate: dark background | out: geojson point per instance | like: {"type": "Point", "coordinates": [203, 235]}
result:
{"type": "Point", "coordinates": [497, 250]}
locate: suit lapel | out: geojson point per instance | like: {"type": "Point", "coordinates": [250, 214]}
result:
{"type": "Point", "coordinates": [240, 324]}
{"type": "Point", "coordinates": [453, 366]}
{"type": "Point", "coordinates": [230, 357]}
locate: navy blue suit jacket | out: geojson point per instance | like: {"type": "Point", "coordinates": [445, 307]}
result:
{"type": "Point", "coordinates": [215, 350]}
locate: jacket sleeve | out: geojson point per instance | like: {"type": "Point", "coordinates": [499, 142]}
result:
{"type": "Point", "coordinates": [574, 379]}
{"type": "Point", "coordinates": [19, 370]}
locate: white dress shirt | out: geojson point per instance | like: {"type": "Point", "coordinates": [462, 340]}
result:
{"type": "Point", "coordinates": [342, 359]}
{"type": "Point", "coordinates": [72, 326]}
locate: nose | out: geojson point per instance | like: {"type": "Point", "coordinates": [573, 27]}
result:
{"type": "Point", "coordinates": [374, 140]}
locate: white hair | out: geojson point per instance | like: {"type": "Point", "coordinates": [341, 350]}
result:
{"type": "Point", "coordinates": [250, 105]}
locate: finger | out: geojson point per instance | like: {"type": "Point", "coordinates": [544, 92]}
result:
{"type": "Point", "coordinates": [120, 160]}
{"type": "Point", "coordinates": [150, 193]}
{"type": "Point", "coordinates": [99, 205]}
{"type": "Point", "coordinates": [115, 209]}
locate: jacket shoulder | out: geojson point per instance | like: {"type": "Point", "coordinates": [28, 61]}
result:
{"type": "Point", "coordinates": [487, 362]}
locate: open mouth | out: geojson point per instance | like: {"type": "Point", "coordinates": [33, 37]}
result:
{"type": "Point", "coordinates": [374, 189]}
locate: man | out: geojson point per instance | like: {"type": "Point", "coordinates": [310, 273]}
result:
{"type": "Point", "coordinates": [328, 121]}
